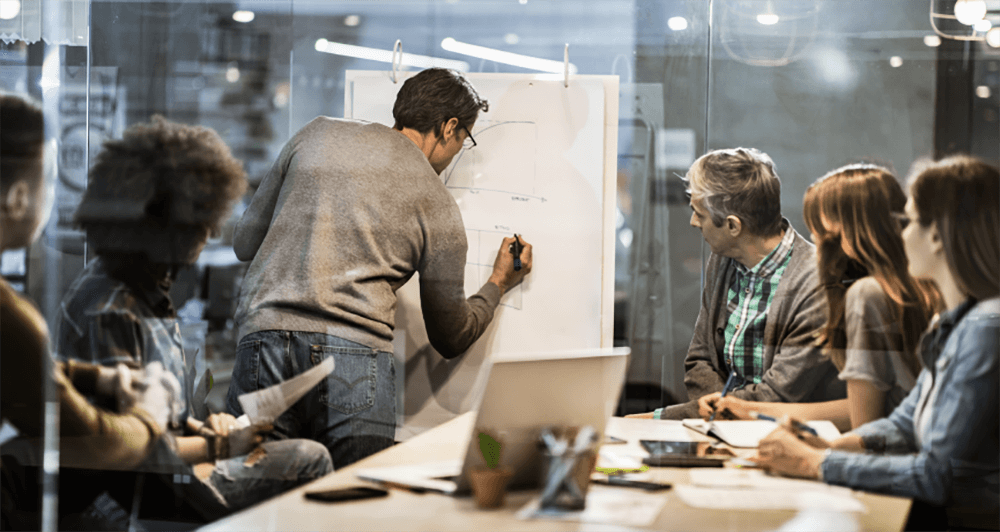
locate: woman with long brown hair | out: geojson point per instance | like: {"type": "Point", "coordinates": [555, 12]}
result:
{"type": "Point", "coordinates": [876, 310]}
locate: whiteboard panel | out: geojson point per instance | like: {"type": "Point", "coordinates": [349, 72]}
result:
{"type": "Point", "coordinates": [545, 168]}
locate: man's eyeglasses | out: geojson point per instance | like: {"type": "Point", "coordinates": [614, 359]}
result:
{"type": "Point", "coordinates": [469, 142]}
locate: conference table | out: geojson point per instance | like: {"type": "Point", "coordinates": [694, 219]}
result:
{"type": "Point", "coordinates": [407, 510]}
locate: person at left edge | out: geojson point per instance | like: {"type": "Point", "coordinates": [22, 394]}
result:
{"type": "Point", "coordinates": [347, 214]}
{"type": "Point", "coordinates": [152, 200]}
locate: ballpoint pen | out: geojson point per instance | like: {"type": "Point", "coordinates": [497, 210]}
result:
{"type": "Point", "coordinates": [725, 390]}
{"type": "Point", "coordinates": [795, 423]}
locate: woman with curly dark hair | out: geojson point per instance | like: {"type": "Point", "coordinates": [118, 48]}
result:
{"type": "Point", "coordinates": [152, 200]}
{"type": "Point", "coordinates": [876, 310]}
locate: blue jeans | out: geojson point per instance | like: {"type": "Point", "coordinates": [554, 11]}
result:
{"type": "Point", "coordinates": [352, 412]}
{"type": "Point", "coordinates": [285, 465]}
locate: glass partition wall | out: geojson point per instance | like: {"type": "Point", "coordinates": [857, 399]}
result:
{"type": "Point", "coordinates": [813, 83]}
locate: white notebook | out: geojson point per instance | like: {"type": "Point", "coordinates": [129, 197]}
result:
{"type": "Point", "coordinates": [747, 434]}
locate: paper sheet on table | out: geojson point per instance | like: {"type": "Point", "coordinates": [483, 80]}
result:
{"type": "Point", "coordinates": [765, 499]}
{"type": "Point", "coordinates": [748, 433]}
{"type": "Point", "coordinates": [626, 507]}
{"type": "Point", "coordinates": [651, 429]}
{"type": "Point", "coordinates": [267, 404]}
{"type": "Point", "coordinates": [757, 479]}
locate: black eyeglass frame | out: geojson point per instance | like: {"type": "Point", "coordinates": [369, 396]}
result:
{"type": "Point", "coordinates": [470, 137]}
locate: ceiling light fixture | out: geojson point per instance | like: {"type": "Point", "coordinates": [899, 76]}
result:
{"type": "Point", "coordinates": [993, 37]}
{"type": "Point", "coordinates": [969, 12]}
{"type": "Point", "coordinates": [243, 16]}
{"type": "Point", "coordinates": [507, 58]}
{"type": "Point", "coordinates": [385, 56]}
{"type": "Point", "coordinates": [9, 9]}
{"type": "Point", "coordinates": [768, 17]}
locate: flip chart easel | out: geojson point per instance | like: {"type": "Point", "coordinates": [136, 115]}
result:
{"type": "Point", "coordinates": [545, 167]}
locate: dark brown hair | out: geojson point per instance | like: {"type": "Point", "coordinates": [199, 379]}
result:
{"type": "Point", "coordinates": [961, 194]}
{"type": "Point", "coordinates": [434, 96]}
{"type": "Point", "coordinates": [855, 207]}
{"type": "Point", "coordinates": [161, 179]}
{"type": "Point", "coordinates": [22, 138]}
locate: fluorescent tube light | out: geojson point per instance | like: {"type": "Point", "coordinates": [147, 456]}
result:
{"type": "Point", "coordinates": [385, 56]}
{"type": "Point", "coordinates": [507, 58]}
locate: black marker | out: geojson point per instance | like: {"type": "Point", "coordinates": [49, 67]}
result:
{"type": "Point", "coordinates": [516, 251]}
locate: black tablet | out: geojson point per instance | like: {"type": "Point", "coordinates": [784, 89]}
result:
{"type": "Point", "coordinates": [683, 454]}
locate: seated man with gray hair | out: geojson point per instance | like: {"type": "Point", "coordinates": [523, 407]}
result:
{"type": "Point", "coordinates": [762, 303]}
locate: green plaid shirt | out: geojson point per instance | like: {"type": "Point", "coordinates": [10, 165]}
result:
{"type": "Point", "coordinates": [748, 299]}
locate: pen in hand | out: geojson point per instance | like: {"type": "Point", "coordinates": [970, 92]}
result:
{"type": "Point", "coordinates": [795, 423]}
{"type": "Point", "coordinates": [516, 251]}
{"type": "Point", "coordinates": [725, 389]}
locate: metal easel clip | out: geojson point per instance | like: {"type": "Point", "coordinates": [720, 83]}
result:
{"type": "Point", "coordinates": [398, 46]}
{"type": "Point", "coordinates": [566, 66]}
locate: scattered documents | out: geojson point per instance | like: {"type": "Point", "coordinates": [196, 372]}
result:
{"type": "Point", "coordinates": [264, 406]}
{"type": "Point", "coordinates": [741, 489]}
{"type": "Point", "coordinates": [747, 434]}
{"type": "Point", "coordinates": [751, 499]}
{"type": "Point", "coordinates": [609, 505]}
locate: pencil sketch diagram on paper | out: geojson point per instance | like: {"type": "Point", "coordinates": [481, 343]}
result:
{"type": "Point", "coordinates": [544, 168]}
{"type": "Point", "coordinates": [469, 168]}
{"type": "Point", "coordinates": [492, 171]}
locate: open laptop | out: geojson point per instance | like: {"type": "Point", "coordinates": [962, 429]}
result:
{"type": "Point", "coordinates": [525, 393]}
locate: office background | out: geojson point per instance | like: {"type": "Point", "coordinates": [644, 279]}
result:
{"type": "Point", "coordinates": [814, 83]}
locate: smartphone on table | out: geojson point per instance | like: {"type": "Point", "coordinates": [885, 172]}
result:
{"type": "Point", "coordinates": [352, 493]}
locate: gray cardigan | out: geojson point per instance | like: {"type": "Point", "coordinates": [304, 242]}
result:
{"type": "Point", "coordinates": [794, 370]}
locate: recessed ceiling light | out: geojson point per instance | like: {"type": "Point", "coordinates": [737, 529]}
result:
{"type": "Point", "coordinates": [511, 38]}
{"type": "Point", "coordinates": [352, 20]}
{"type": "Point", "coordinates": [677, 23]}
{"type": "Point", "coordinates": [932, 40]}
{"type": "Point", "coordinates": [983, 91]}
{"type": "Point", "coordinates": [768, 19]}
{"type": "Point", "coordinates": [243, 16]}
{"type": "Point", "coordinates": [896, 61]}
{"type": "Point", "coordinates": [9, 9]}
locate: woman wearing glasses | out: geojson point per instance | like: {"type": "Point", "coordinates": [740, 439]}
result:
{"type": "Point", "coordinates": [940, 446]}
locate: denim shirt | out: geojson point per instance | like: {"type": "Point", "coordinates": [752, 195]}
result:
{"type": "Point", "coordinates": [957, 462]}
{"type": "Point", "coordinates": [104, 320]}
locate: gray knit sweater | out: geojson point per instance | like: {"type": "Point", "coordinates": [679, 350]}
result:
{"type": "Point", "coordinates": [347, 214]}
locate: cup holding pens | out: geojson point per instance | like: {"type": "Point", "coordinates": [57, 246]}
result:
{"type": "Point", "coordinates": [570, 454]}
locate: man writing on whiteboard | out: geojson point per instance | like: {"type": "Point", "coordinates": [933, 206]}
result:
{"type": "Point", "coordinates": [345, 217]}
{"type": "Point", "coordinates": [761, 303]}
